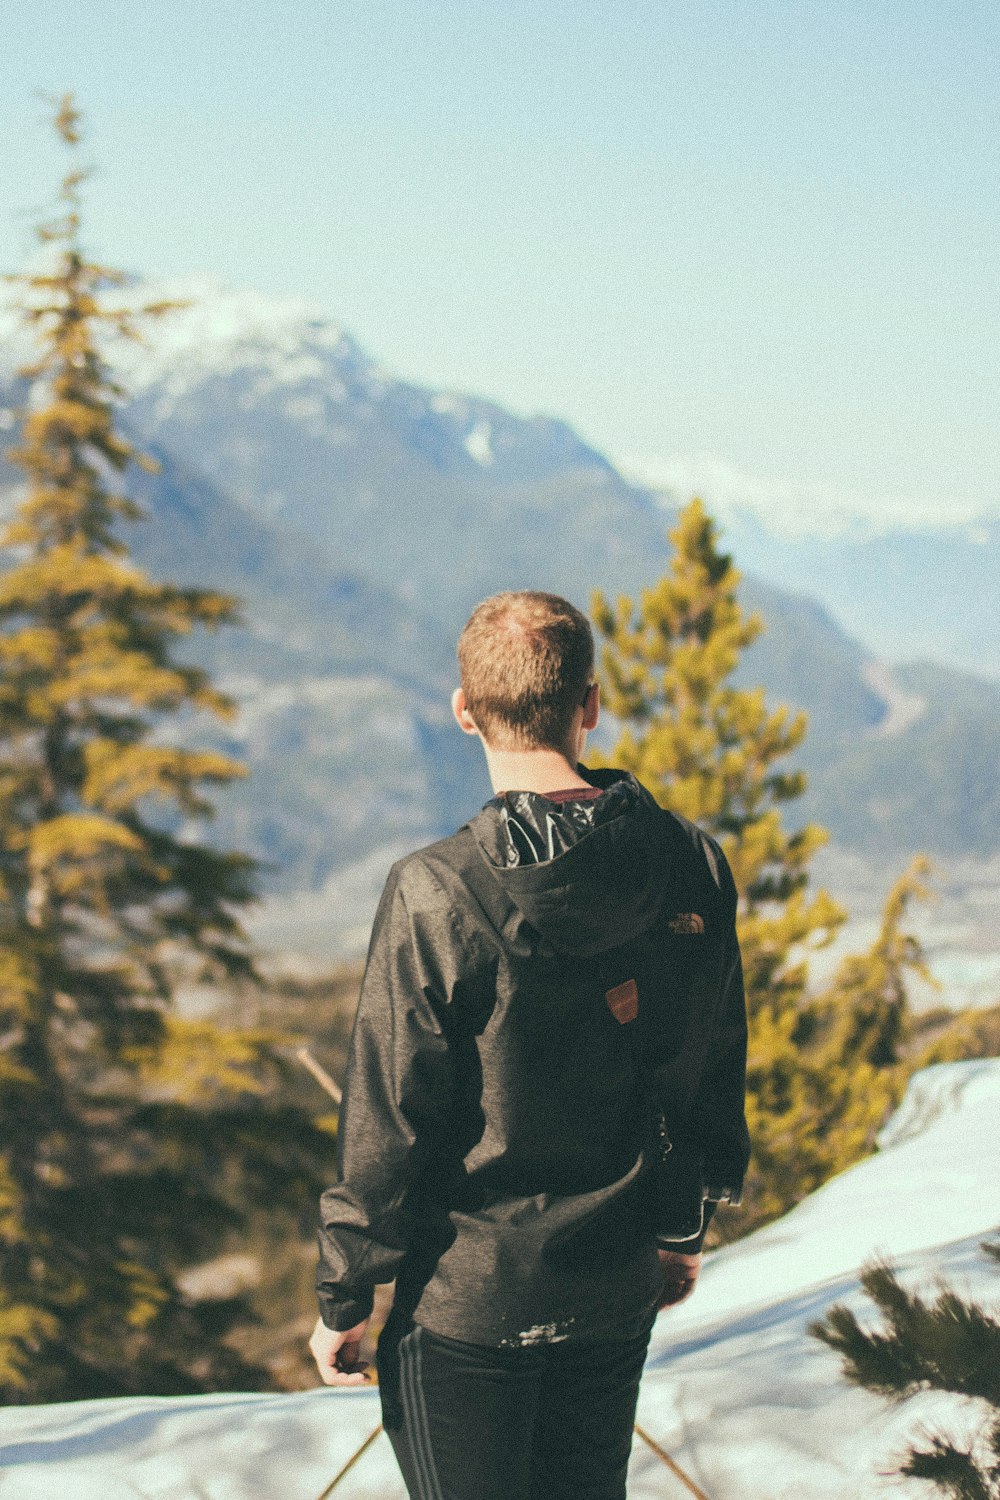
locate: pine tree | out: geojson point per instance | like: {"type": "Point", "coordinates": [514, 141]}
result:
{"type": "Point", "coordinates": [711, 751]}
{"type": "Point", "coordinates": [862, 1026]}
{"type": "Point", "coordinates": [715, 753]}
{"type": "Point", "coordinates": [867, 1003]}
{"type": "Point", "coordinates": [949, 1344]}
{"type": "Point", "coordinates": [844, 1061]}
{"type": "Point", "coordinates": [128, 1131]}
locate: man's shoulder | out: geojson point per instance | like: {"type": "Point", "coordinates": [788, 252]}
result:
{"type": "Point", "coordinates": [444, 895]}
{"type": "Point", "coordinates": [435, 868]}
{"type": "Point", "coordinates": [701, 854]}
{"type": "Point", "coordinates": [696, 851]}
{"type": "Point", "coordinates": [690, 835]}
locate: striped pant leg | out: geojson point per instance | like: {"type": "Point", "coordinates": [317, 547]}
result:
{"type": "Point", "coordinates": [583, 1435]}
{"type": "Point", "coordinates": [460, 1417]}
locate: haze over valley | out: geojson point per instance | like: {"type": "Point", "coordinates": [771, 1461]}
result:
{"type": "Point", "coordinates": [360, 517]}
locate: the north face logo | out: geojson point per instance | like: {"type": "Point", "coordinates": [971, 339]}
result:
{"type": "Point", "coordinates": [687, 921]}
{"type": "Point", "coordinates": [623, 1001]}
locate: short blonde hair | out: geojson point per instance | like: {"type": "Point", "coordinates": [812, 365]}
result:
{"type": "Point", "coordinates": [526, 659]}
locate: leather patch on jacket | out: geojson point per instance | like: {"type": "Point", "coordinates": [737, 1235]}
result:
{"type": "Point", "coordinates": [687, 921]}
{"type": "Point", "coordinates": [623, 1001]}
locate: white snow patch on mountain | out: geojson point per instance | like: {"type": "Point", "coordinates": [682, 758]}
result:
{"type": "Point", "coordinates": [903, 709]}
{"type": "Point", "coordinates": [796, 511]}
{"type": "Point", "coordinates": [446, 404]}
{"type": "Point", "coordinates": [478, 444]}
{"type": "Point", "coordinates": [283, 340]}
{"type": "Point", "coordinates": [735, 1389]}
{"type": "Point", "coordinates": [218, 331]}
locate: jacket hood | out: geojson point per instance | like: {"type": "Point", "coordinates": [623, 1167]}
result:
{"type": "Point", "coordinates": [587, 875]}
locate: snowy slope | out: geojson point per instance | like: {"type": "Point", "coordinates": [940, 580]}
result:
{"type": "Point", "coordinates": [237, 370]}
{"type": "Point", "coordinates": [212, 330]}
{"type": "Point", "coordinates": [735, 1389]}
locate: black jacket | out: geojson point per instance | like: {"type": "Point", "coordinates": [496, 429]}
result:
{"type": "Point", "coordinates": [524, 976]}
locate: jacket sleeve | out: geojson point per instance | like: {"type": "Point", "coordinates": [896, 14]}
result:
{"type": "Point", "coordinates": [398, 1087]}
{"type": "Point", "coordinates": [719, 1113]}
{"type": "Point", "coordinates": [715, 1120]}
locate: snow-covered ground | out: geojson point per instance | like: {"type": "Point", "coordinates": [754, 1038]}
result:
{"type": "Point", "coordinates": [735, 1389]}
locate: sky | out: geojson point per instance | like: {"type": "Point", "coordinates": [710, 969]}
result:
{"type": "Point", "coordinates": [758, 237]}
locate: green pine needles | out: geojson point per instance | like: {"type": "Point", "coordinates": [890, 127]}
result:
{"type": "Point", "coordinates": [947, 1344]}
{"type": "Point", "coordinates": [129, 1140]}
{"type": "Point", "coordinates": [824, 1068]}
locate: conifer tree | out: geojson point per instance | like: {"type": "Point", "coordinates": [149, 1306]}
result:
{"type": "Point", "coordinates": [126, 1129]}
{"type": "Point", "coordinates": [948, 1344]}
{"type": "Point", "coordinates": [842, 1059]}
{"type": "Point", "coordinates": [711, 751]}
{"type": "Point", "coordinates": [717, 754]}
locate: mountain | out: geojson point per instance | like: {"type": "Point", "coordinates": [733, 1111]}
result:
{"type": "Point", "coordinates": [360, 517]}
{"type": "Point", "coordinates": [735, 1390]}
{"type": "Point", "coordinates": [442, 497]}
{"type": "Point", "coordinates": [934, 785]}
{"type": "Point", "coordinates": [342, 690]}
{"type": "Point", "coordinates": [933, 593]}
{"type": "Point", "coordinates": [909, 578]}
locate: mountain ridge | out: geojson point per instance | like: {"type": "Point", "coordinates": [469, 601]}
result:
{"type": "Point", "coordinates": [351, 513]}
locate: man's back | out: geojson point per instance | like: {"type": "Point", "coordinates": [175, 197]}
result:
{"type": "Point", "coordinates": [543, 1098]}
{"type": "Point", "coordinates": [497, 959]}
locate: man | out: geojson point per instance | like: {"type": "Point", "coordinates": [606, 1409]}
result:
{"type": "Point", "coordinates": [544, 1094]}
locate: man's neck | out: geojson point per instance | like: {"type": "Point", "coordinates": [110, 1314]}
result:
{"type": "Point", "coordinates": [532, 771]}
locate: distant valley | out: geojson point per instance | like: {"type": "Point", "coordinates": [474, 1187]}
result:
{"type": "Point", "coordinates": [913, 580]}
{"type": "Point", "coordinates": [360, 518]}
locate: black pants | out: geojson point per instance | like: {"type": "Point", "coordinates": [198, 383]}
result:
{"type": "Point", "coordinates": [546, 1422]}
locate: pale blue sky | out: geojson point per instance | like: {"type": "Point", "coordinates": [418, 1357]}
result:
{"type": "Point", "coordinates": [764, 231]}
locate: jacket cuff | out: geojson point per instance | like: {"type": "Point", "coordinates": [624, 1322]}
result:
{"type": "Point", "coordinates": [340, 1316]}
{"type": "Point", "coordinates": [693, 1245]}
{"type": "Point", "coordinates": [731, 1195]}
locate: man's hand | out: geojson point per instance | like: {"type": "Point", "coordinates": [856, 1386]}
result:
{"type": "Point", "coordinates": [336, 1354]}
{"type": "Point", "coordinates": [680, 1273]}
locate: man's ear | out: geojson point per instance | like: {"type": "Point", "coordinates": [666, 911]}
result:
{"type": "Point", "coordinates": [462, 715]}
{"type": "Point", "coordinates": [592, 706]}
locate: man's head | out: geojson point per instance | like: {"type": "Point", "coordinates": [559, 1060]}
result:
{"type": "Point", "coordinates": [527, 662]}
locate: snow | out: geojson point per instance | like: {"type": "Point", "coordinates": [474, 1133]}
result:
{"type": "Point", "coordinates": [447, 404]}
{"type": "Point", "coordinates": [478, 444]}
{"type": "Point", "coordinates": [902, 709]}
{"type": "Point", "coordinates": [735, 1389]}
{"type": "Point", "coordinates": [221, 1447]}
{"type": "Point", "coordinates": [794, 511]}
{"type": "Point", "coordinates": [284, 341]}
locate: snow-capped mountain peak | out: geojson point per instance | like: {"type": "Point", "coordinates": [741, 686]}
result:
{"type": "Point", "coordinates": [221, 330]}
{"type": "Point", "coordinates": [216, 330]}
{"type": "Point", "coordinates": [801, 511]}
{"type": "Point", "coordinates": [250, 351]}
